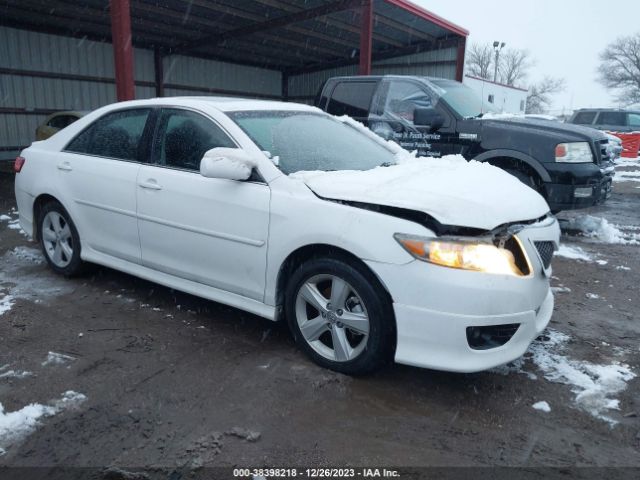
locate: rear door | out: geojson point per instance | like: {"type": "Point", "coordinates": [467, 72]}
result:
{"type": "Point", "coordinates": [97, 172]}
{"type": "Point", "coordinates": [352, 98]}
{"type": "Point", "coordinates": [208, 230]}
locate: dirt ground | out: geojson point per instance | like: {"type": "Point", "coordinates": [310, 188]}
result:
{"type": "Point", "coordinates": [174, 382]}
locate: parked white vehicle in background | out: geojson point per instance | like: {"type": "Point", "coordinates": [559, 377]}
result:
{"type": "Point", "coordinates": [281, 210]}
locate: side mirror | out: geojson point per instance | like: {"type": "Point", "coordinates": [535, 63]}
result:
{"type": "Point", "coordinates": [229, 163]}
{"type": "Point", "coordinates": [428, 117]}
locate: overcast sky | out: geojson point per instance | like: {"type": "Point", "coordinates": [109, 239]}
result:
{"type": "Point", "coordinates": [564, 36]}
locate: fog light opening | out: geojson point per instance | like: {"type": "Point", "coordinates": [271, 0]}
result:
{"type": "Point", "coordinates": [493, 336]}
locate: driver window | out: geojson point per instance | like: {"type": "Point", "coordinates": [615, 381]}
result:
{"type": "Point", "coordinates": [403, 98]}
{"type": "Point", "coordinates": [182, 138]}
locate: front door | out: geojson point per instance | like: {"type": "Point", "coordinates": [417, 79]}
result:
{"type": "Point", "coordinates": [392, 119]}
{"type": "Point", "coordinates": [208, 230]}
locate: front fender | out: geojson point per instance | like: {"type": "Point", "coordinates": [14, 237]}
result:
{"type": "Point", "coordinates": [523, 157]}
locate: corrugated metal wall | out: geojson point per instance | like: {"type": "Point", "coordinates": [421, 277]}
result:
{"type": "Point", "coordinates": [40, 73]}
{"type": "Point", "coordinates": [26, 96]}
{"type": "Point", "coordinates": [435, 63]}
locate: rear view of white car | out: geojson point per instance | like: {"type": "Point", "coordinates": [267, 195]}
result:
{"type": "Point", "coordinates": [286, 212]}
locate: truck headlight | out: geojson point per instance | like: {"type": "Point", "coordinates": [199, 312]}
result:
{"type": "Point", "coordinates": [477, 256]}
{"type": "Point", "coordinates": [574, 152]}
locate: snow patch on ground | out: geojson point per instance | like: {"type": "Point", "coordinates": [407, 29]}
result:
{"type": "Point", "coordinates": [6, 302]}
{"type": "Point", "coordinates": [599, 229]}
{"type": "Point", "coordinates": [14, 426]}
{"type": "Point", "coordinates": [560, 289]}
{"type": "Point", "coordinates": [592, 295]}
{"type": "Point", "coordinates": [622, 267]}
{"type": "Point", "coordinates": [22, 275]}
{"type": "Point", "coordinates": [13, 223]}
{"type": "Point", "coordinates": [625, 176]}
{"type": "Point", "coordinates": [19, 374]}
{"type": "Point", "coordinates": [54, 358]}
{"type": "Point", "coordinates": [574, 253]}
{"type": "Point", "coordinates": [594, 385]}
{"type": "Point", "coordinates": [542, 406]}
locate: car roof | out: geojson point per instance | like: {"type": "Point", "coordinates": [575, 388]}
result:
{"type": "Point", "coordinates": [224, 104]}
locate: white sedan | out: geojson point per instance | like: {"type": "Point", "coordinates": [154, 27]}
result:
{"type": "Point", "coordinates": [283, 211]}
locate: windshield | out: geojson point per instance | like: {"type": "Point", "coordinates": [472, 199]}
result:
{"type": "Point", "coordinates": [311, 141]}
{"type": "Point", "coordinates": [459, 97]}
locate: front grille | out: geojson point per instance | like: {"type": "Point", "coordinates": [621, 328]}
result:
{"type": "Point", "coordinates": [484, 338]}
{"type": "Point", "coordinates": [545, 249]}
{"type": "Point", "coordinates": [604, 151]}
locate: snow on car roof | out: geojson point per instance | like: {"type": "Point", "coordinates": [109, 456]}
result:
{"type": "Point", "coordinates": [224, 104]}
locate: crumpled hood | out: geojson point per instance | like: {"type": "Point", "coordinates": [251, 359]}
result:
{"type": "Point", "coordinates": [450, 189]}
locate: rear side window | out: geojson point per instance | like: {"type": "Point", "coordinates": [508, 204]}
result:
{"type": "Point", "coordinates": [612, 118]}
{"type": "Point", "coordinates": [634, 120]}
{"type": "Point", "coordinates": [61, 121]}
{"type": "Point", "coordinates": [584, 118]}
{"type": "Point", "coordinates": [115, 135]}
{"type": "Point", "coordinates": [352, 99]}
{"type": "Point", "coordinates": [182, 137]}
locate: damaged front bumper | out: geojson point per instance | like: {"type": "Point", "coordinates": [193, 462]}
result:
{"type": "Point", "coordinates": [468, 321]}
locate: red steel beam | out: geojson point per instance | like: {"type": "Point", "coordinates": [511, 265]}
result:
{"type": "Point", "coordinates": [430, 16]}
{"type": "Point", "coordinates": [462, 46]}
{"type": "Point", "coordinates": [122, 49]}
{"type": "Point", "coordinates": [366, 35]}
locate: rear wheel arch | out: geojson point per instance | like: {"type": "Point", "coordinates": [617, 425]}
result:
{"type": "Point", "coordinates": [40, 201]}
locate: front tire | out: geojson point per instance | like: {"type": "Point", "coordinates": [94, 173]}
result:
{"type": "Point", "coordinates": [59, 240]}
{"type": "Point", "coordinates": [340, 315]}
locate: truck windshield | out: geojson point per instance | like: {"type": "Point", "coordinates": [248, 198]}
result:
{"type": "Point", "coordinates": [460, 98]}
{"type": "Point", "coordinates": [311, 141]}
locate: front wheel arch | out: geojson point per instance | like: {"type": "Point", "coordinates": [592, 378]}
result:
{"type": "Point", "coordinates": [500, 156]}
{"type": "Point", "coordinates": [307, 252]}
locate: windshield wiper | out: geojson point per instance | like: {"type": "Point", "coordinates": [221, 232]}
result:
{"type": "Point", "coordinates": [387, 164]}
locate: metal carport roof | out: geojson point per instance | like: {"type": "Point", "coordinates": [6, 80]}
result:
{"type": "Point", "coordinates": [286, 35]}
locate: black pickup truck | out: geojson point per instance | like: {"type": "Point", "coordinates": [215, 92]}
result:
{"type": "Point", "coordinates": [568, 164]}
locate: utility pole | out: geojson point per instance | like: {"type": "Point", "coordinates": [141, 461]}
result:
{"type": "Point", "coordinates": [497, 46]}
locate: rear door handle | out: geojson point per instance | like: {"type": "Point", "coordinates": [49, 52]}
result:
{"type": "Point", "coordinates": [66, 166]}
{"type": "Point", "coordinates": [150, 185]}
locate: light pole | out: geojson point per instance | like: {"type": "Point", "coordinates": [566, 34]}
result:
{"type": "Point", "coordinates": [497, 46]}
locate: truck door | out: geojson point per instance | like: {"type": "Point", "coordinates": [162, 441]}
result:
{"type": "Point", "coordinates": [393, 113]}
{"type": "Point", "coordinates": [352, 98]}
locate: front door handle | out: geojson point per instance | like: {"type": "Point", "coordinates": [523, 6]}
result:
{"type": "Point", "coordinates": [66, 166]}
{"type": "Point", "coordinates": [150, 185]}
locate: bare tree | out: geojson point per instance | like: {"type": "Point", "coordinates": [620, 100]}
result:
{"type": "Point", "coordinates": [620, 68]}
{"type": "Point", "coordinates": [514, 65]}
{"type": "Point", "coordinates": [480, 61]}
{"type": "Point", "coordinates": [539, 96]}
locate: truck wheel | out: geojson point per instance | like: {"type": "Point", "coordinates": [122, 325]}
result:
{"type": "Point", "coordinates": [526, 178]}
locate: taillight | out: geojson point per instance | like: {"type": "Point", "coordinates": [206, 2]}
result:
{"type": "Point", "coordinates": [18, 164]}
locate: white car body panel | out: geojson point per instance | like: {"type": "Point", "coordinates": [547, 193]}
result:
{"type": "Point", "coordinates": [226, 240]}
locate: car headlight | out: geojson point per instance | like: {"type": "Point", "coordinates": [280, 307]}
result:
{"type": "Point", "coordinates": [574, 152]}
{"type": "Point", "coordinates": [465, 255]}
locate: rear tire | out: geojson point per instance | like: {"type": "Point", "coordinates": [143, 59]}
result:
{"type": "Point", "coordinates": [340, 315]}
{"type": "Point", "coordinates": [59, 240]}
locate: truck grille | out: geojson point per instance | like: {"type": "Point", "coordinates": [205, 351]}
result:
{"type": "Point", "coordinates": [545, 249]}
{"type": "Point", "coordinates": [603, 150]}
